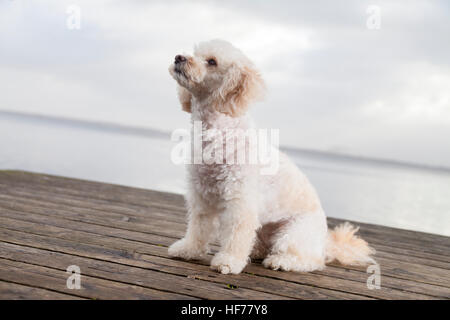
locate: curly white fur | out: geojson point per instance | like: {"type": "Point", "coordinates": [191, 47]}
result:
{"type": "Point", "coordinates": [276, 217]}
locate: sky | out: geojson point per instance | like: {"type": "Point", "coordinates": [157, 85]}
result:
{"type": "Point", "coordinates": [334, 82]}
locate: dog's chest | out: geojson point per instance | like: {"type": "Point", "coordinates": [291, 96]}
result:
{"type": "Point", "coordinates": [222, 171]}
{"type": "Point", "coordinates": [216, 182]}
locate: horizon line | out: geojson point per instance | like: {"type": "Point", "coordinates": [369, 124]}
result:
{"type": "Point", "coordinates": [157, 133]}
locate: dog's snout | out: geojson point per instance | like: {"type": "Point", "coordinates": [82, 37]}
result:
{"type": "Point", "coordinates": [179, 58]}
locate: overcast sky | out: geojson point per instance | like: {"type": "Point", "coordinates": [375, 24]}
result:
{"type": "Point", "coordinates": [333, 83]}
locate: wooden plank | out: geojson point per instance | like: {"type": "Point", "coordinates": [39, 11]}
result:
{"type": "Point", "coordinates": [270, 289]}
{"type": "Point", "coordinates": [419, 241]}
{"type": "Point", "coordinates": [403, 270]}
{"type": "Point", "coordinates": [14, 291]}
{"type": "Point", "coordinates": [46, 208]}
{"type": "Point", "coordinates": [333, 282]}
{"type": "Point", "coordinates": [199, 273]}
{"type": "Point", "coordinates": [151, 277]}
{"type": "Point", "coordinates": [131, 225]}
{"type": "Point", "coordinates": [108, 191]}
{"type": "Point", "coordinates": [180, 231]}
{"type": "Point", "coordinates": [146, 223]}
{"type": "Point", "coordinates": [91, 287]}
{"type": "Point", "coordinates": [132, 196]}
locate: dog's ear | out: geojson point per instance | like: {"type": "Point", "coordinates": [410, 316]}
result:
{"type": "Point", "coordinates": [240, 87]}
{"type": "Point", "coordinates": [185, 98]}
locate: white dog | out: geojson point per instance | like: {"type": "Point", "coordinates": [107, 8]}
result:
{"type": "Point", "coordinates": [276, 217]}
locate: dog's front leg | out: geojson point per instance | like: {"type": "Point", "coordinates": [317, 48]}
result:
{"type": "Point", "coordinates": [238, 224]}
{"type": "Point", "coordinates": [194, 245]}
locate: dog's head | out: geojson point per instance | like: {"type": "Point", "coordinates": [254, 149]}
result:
{"type": "Point", "coordinates": [220, 73]}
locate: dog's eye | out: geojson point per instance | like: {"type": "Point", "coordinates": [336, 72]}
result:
{"type": "Point", "coordinates": [212, 62]}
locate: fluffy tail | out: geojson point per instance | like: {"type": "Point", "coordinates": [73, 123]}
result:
{"type": "Point", "coordinates": [347, 248]}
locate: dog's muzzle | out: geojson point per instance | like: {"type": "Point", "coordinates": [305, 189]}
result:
{"type": "Point", "coordinates": [179, 62]}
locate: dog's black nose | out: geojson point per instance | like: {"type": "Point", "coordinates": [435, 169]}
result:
{"type": "Point", "coordinates": [179, 58]}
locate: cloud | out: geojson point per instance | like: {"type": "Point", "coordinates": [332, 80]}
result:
{"type": "Point", "coordinates": [333, 84]}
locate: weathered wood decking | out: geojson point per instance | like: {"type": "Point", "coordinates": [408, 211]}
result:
{"type": "Point", "coordinates": [118, 236]}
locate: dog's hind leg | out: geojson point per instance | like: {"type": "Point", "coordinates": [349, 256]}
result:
{"type": "Point", "coordinates": [300, 244]}
{"type": "Point", "coordinates": [265, 236]}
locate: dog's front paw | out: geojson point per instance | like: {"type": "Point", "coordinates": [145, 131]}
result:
{"type": "Point", "coordinates": [182, 249]}
{"type": "Point", "coordinates": [226, 263]}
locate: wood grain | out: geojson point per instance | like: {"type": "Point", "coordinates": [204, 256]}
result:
{"type": "Point", "coordinates": [119, 238]}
